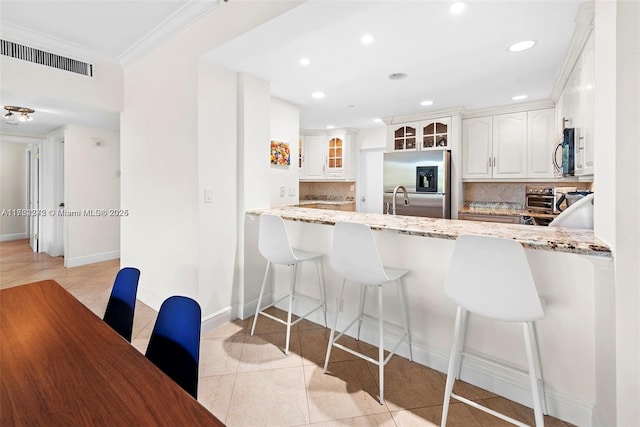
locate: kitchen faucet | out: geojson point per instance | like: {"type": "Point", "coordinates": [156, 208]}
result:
{"type": "Point", "coordinates": [406, 198]}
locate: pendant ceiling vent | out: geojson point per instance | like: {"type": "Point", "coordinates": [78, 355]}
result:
{"type": "Point", "coordinates": [26, 53]}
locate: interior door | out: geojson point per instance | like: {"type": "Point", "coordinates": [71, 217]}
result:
{"type": "Point", "coordinates": [33, 195]}
{"type": "Point", "coordinates": [369, 189]}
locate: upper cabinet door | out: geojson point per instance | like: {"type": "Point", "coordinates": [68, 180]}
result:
{"type": "Point", "coordinates": [314, 156]}
{"type": "Point", "coordinates": [510, 145]}
{"type": "Point", "coordinates": [435, 133]}
{"type": "Point", "coordinates": [335, 157]}
{"type": "Point", "coordinates": [584, 150]}
{"type": "Point", "coordinates": [477, 154]}
{"type": "Point", "coordinates": [541, 127]}
{"type": "Point", "coordinates": [404, 136]}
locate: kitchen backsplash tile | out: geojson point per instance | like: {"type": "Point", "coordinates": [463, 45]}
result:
{"type": "Point", "coordinates": [508, 192]}
{"type": "Point", "coordinates": [344, 191]}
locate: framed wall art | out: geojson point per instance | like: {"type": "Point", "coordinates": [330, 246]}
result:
{"type": "Point", "coordinates": [280, 153]}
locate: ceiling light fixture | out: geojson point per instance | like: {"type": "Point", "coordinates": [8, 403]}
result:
{"type": "Point", "coordinates": [367, 39]}
{"type": "Point", "coordinates": [398, 76]}
{"type": "Point", "coordinates": [377, 120]}
{"type": "Point", "coordinates": [304, 62]}
{"type": "Point", "coordinates": [519, 97]}
{"type": "Point", "coordinates": [426, 103]}
{"type": "Point", "coordinates": [458, 7]}
{"type": "Point", "coordinates": [24, 113]}
{"type": "Point", "coordinates": [318, 95]}
{"type": "Point", "coordinates": [523, 45]}
{"type": "Point", "coordinates": [331, 127]}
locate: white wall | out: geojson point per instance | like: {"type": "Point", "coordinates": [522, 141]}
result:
{"type": "Point", "coordinates": [104, 90]}
{"type": "Point", "coordinates": [13, 189]}
{"type": "Point", "coordinates": [217, 169]}
{"type": "Point", "coordinates": [616, 128]}
{"type": "Point", "coordinates": [374, 137]}
{"type": "Point", "coordinates": [160, 131]}
{"type": "Point", "coordinates": [285, 127]}
{"type": "Point", "coordinates": [92, 190]}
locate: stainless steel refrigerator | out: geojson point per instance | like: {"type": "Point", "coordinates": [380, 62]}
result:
{"type": "Point", "coordinates": [426, 175]}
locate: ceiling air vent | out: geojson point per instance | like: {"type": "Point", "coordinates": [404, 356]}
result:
{"type": "Point", "coordinates": [48, 59]}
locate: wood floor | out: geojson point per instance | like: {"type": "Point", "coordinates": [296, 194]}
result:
{"type": "Point", "coordinates": [247, 381]}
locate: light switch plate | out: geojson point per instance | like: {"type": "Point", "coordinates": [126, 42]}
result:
{"type": "Point", "coordinates": [282, 191]}
{"type": "Point", "coordinates": [208, 195]}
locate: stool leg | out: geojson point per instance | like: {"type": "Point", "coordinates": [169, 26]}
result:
{"type": "Point", "coordinates": [533, 374]}
{"type": "Point", "coordinates": [381, 344]}
{"type": "Point", "coordinates": [363, 297]}
{"type": "Point", "coordinates": [456, 346]}
{"type": "Point", "coordinates": [405, 316]}
{"type": "Point", "coordinates": [536, 360]}
{"type": "Point", "coordinates": [292, 289]}
{"type": "Point", "coordinates": [264, 282]}
{"type": "Point", "coordinates": [323, 297]}
{"type": "Point", "coordinates": [333, 327]}
{"type": "Point", "coordinates": [463, 335]}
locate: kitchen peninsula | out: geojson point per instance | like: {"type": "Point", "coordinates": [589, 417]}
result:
{"type": "Point", "coordinates": [568, 267]}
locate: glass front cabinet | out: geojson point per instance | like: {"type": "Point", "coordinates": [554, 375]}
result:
{"type": "Point", "coordinates": [422, 135]}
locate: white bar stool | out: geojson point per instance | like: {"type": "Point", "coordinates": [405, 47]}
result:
{"type": "Point", "coordinates": [274, 245]}
{"type": "Point", "coordinates": [491, 277]}
{"type": "Point", "coordinates": [356, 258]}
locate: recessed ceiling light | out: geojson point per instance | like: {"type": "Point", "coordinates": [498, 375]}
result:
{"type": "Point", "coordinates": [318, 95]}
{"type": "Point", "coordinates": [304, 61]}
{"type": "Point", "coordinates": [367, 39]}
{"type": "Point", "coordinates": [426, 103]}
{"type": "Point", "coordinates": [377, 120]}
{"type": "Point", "coordinates": [519, 97]}
{"type": "Point", "coordinates": [520, 46]}
{"type": "Point", "coordinates": [331, 127]}
{"type": "Point", "coordinates": [457, 7]}
{"type": "Point", "coordinates": [398, 76]}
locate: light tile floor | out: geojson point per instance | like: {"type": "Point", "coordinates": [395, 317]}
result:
{"type": "Point", "coordinates": [247, 381]}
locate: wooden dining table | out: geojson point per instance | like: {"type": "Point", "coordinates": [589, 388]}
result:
{"type": "Point", "coordinates": [61, 365]}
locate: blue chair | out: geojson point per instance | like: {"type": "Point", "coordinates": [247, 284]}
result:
{"type": "Point", "coordinates": [122, 302]}
{"type": "Point", "coordinates": [174, 346]}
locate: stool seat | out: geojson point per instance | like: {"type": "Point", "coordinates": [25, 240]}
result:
{"type": "Point", "coordinates": [355, 257]}
{"type": "Point", "coordinates": [490, 276]}
{"type": "Point", "coordinates": [275, 247]}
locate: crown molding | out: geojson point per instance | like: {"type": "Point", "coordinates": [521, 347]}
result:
{"type": "Point", "coordinates": [510, 108]}
{"type": "Point", "coordinates": [38, 40]}
{"type": "Point", "coordinates": [187, 14]}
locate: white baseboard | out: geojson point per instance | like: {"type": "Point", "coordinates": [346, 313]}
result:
{"type": "Point", "coordinates": [503, 382]}
{"type": "Point", "coordinates": [14, 236]}
{"type": "Point", "coordinates": [91, 259]}
{"type": "Point", "coordinates": [219, 318]}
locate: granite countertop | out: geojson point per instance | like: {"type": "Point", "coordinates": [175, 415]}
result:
{"type": "Point", "coordinates": [576, 241]}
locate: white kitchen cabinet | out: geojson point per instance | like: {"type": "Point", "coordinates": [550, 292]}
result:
{"type": "Point", "coordinates": [495, 147]}
{"type": "Point", "coordinates": [434, 134]}
{"type": "Point", "coordinates": [327, 155]}
{"type": "Point", "coordinates": [477, 152]}
{"type": "Point", "coordinates": [575, 108]}
{"type": "Point", "coordinates": [541, 141]}
{"type": "Point", "coordinates": [584, 149]}
{"type": "Point", "coordinates": [314, 158]}
{"type": "Point", "coordinates": [420, 135]}
{"type": "Point", "coordinates": [509, 146]}
{"type": "Point", "coordinates": [404, 136]}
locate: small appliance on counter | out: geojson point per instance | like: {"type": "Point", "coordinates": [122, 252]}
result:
{"type": "Point", "coordinates": [566, 165]}
{"type": "Point", "coordinates": [570, 198]}
{"type": "Point", "coordinates": [542, 203]}
{"type": "Point", "coordinates": [425, 175]}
